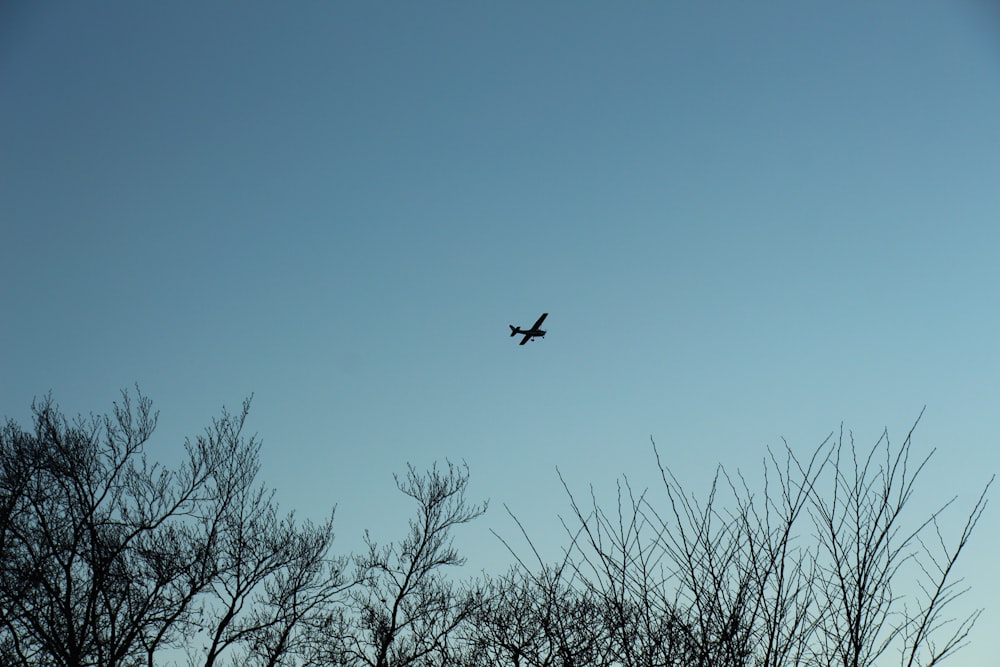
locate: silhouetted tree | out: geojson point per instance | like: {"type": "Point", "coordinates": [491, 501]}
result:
{"type": "Point", "coordinates": [96, 561]}
{"type": "Point", "coordinates": [108, 558]}
{"type": "Point", "coordinates": [537, 619]}
{"type": "Point", "coordinates": [802, 574]}
{"type": "Point", "coordinates": [405, 612]}
{"type": "Point", "coordinates": [866, 548]}
{"type": "Point", "coordinates": [269, 575]}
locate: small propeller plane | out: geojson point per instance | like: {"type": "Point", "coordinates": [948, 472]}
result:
{"type": "Point", "coordinates": [529, 334]}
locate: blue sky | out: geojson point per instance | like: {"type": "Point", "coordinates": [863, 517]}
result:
{"type": "Point", "coordinates": [747, 221]}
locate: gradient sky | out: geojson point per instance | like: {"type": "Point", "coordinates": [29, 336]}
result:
{"type": "Point", "coordinates": [747, 221]}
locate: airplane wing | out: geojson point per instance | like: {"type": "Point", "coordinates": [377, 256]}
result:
{"type": "Point", "coordinates": [524, 340]}
{"type": "Point", "coordinates": [540, 320]}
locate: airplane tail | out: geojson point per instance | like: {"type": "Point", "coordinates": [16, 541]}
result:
{"type": "Point", "coordinates": [514, 330]}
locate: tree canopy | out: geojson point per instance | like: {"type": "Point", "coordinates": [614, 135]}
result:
{"type": "Point", "coordinates": [110, 559]}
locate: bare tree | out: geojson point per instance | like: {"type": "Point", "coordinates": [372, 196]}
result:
{"type": "Point", "coordinates": [782, 606]}
{"type": "Point", "coordinates": [406, 612]}
{"type": "Point", "coordinates": [631, 562]}
{"type": "Point", "coordinates": [292, 592]}
{"type": "Point", "coordinates": [108, 559]}
{"type": "Point", "coordinates": [269, 575]}
{"type": "Point", "coordinates": [505, 628]}
{"type": "Point", "coordinates": [799, 574]}
{"type": "Point", "coordinates": [868, 547]}
{"type": "Point", "coordinates": [539, 619]}
{"type": "Point", "coordinates": [95, 560]}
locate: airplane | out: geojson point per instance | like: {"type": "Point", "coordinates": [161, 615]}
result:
{"type": "Point", "coordinates": [529, 334]}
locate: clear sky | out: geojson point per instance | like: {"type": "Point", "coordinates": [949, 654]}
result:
{"type": "Point", "coordinates": [747, 221]}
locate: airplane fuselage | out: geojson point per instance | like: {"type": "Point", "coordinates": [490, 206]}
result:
{"type": "Point", "coordinates": [534, 333]}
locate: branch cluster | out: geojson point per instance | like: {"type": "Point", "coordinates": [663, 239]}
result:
{"type": "Point", "coordinates": [108, 559]}
{"type": "Point", "coordinates": [822, 567]}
